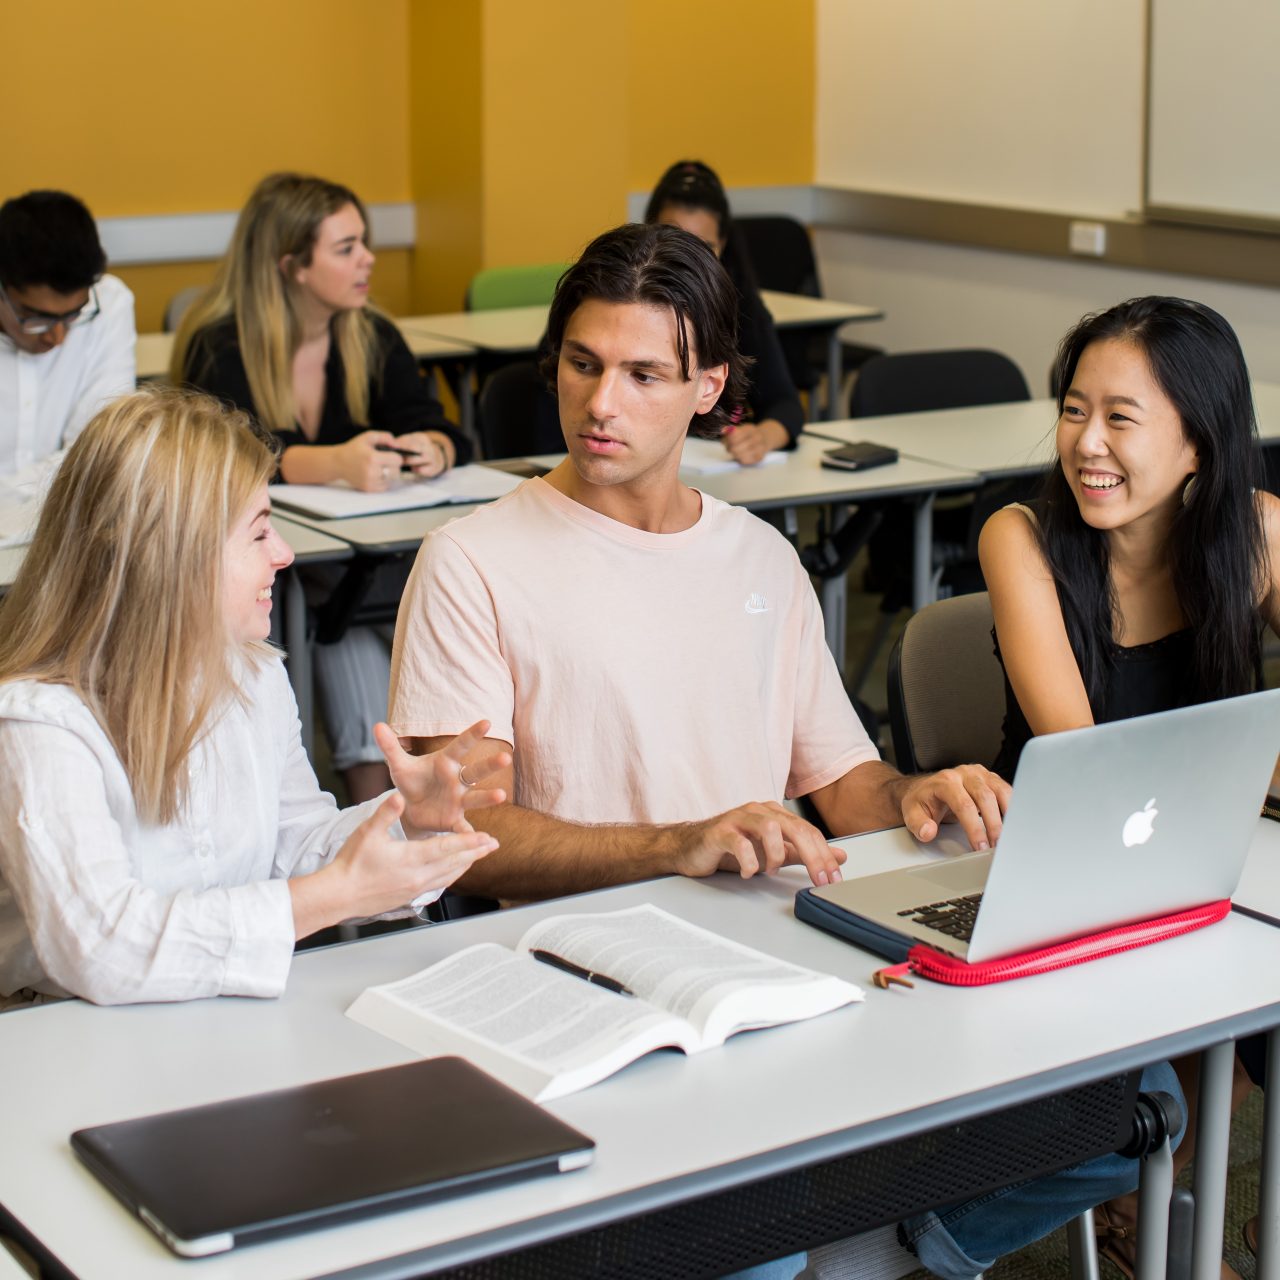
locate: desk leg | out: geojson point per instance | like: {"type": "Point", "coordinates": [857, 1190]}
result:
{"type": "Point", "coordinates": [1269, 1191]}
{"type": "Point", "coordinates": [1155, 1187]}
{"type": "Point", "coordinates": [467, 403]}
{"type": "Point", "coordinates": [298, 647]}
{"type": "Point", "coordinates": [835, 374]}
{"type": "Point", "coordinates": [833, 597]}
{"type": "Point", "coordinates": [922, 592]}
{"type": "Point", "coordinates": [1213, 1131]}
{"type": "Point", "coordinates": [1082, 1247]}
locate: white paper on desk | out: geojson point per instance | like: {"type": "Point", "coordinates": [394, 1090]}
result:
{"type": "Point", "coordinates": [710, 457]}
{"type": "Point", "coordinates": [21, 497]}
{"type": "Point", "coordinates": [336, 501]}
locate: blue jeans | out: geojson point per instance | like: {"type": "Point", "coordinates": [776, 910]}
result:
{"type": "Point", "coordinates": [962, 1241]}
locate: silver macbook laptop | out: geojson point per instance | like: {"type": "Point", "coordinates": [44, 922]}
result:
{"type": "Point", "coordinates": [1107, 825]}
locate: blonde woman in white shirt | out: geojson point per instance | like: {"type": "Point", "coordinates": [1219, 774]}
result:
{"type": "Point", "coordinates": [162, 834]}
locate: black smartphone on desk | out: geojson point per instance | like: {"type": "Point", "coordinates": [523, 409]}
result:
{"type": "Point", "coordinates": [861, 456]}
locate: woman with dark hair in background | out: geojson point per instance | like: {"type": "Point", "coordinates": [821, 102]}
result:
{"type": "Point", "coordinates": [690, 196]}
{"type": "Point", "coordinates": [1142, 578]}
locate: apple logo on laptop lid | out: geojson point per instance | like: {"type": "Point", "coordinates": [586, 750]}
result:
{"type": "Point", "coordinates": [1139, 826]}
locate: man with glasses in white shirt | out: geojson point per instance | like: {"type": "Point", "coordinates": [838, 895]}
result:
{"type": "Point", "coordinates": [67, 332]}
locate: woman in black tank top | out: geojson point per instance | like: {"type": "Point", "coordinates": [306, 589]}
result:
{"type": "Point", "coordinates": [1143, 576]}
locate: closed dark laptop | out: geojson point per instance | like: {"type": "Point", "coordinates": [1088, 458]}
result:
{"type": "Point", "coordinates": [209, 1178]}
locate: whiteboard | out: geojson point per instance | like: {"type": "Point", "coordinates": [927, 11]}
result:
{"type": "Point", "coordinates": [1215, 109]}
{"type": "Point", "coordinates": [1031, 104]}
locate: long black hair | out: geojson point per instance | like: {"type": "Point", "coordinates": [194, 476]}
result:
{"type": "Point", "coordinates": [1215, 547]}
{"type": "Point", "coordinates": [691, 184]}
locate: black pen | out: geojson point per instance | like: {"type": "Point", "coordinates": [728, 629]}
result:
{"type": "Point", "coordinates": [391, 448]}
{"type": "Point", "coordinates": [587, 975]}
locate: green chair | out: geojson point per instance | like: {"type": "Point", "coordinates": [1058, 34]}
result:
{"type": "Point", "coordinates": [527, 286]}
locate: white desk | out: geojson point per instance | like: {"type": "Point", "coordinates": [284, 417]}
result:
{"type": "Point", "coordinates": [155, 349]}
{"type": "Point", "coordinates": [999, 439]}
{"type": "Point", "coordinates": [795, 311]}
{"type": "Point", "coordinates": [668, 1128]}
{"type": "Point", "coordinates": [518, 330]}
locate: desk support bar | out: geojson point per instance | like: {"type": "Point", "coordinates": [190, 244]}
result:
{"type": "Point", "coordinates": [299, 655]}
{"type": "Point", "coordinates": [1269, 1191]}
{"type": "Point", "coordinates": [923, 591]}
{"type": "Point", "coordinates": [1213, 1134]}
{"type": "Point", "coordinates": [1082, 1247]}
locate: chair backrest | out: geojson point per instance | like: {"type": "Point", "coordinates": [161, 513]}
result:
{"type": "Point", "coordinates": [781, 253]}
{"type": "Point", "coordinates": [946, 687]}
{"type": "Point", "coordinates": [179, 305]}
{"type": "Point", "coordinates": [916, 381]}
{"type": "Point", "coordinates": [518, 415]}
{"type": "Point", "coordinates": [527, 286]}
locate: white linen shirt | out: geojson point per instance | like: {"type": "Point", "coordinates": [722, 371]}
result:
{"type": "Point", "coordinates": [46, 400]}
{"type": "Point", "coordinates": [94, 902]}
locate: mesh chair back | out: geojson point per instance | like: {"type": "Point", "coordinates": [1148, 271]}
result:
{"type": "Point", "coordinates": [916, 381]}
{"type": "Point", "coordinates": [780, 253]}
{"type": "Point", "coordinates": [528, 286]}
{"type": "Point", "coordinates": [946, 687]}
{"type": "Point", "coordinates": [518, 415]}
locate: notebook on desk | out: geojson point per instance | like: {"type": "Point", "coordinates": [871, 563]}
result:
{"type": "Point", "coordinates": [1112, 824]}
{"type": "Point", "coordinates": [207, 1179]}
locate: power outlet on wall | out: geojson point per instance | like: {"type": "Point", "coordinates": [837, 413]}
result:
{"type": "Point", "coordinates": [1088, 238]}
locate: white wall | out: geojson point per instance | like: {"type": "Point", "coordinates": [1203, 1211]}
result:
{"type": "Point", "coordinates": [941, 295]}
{"type": "Point", "coordinates": [1024, 103]}
{"type": "Point", "coordinates": [1033, 104]}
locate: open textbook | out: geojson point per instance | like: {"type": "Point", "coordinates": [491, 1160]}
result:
{"type": "Point", "coordinates": [547, 1033]}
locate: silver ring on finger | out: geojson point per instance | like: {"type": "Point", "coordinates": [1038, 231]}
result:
{"type": "Point", "coordinates": [462, 778]}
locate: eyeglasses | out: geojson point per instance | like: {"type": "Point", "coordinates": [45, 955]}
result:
{"type": "Point", "coordinates": [38, 322]}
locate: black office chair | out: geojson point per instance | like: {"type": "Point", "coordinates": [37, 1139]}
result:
{"type": "Point", "coordinates": [518, 414]}
{"type": "Point", "coordinates": [914, 382]}
{"type": "Point", "coordinates": [781, 255]}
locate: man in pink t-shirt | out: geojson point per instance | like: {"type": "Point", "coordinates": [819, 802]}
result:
{"type": "Point", "coordinates": [653, 658]}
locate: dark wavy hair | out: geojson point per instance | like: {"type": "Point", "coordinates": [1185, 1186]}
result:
{"type": "Point", "coordinates": [1215, 548]}
{"type": "Point", "coordinates": [691, 184]}
{"type": "Point", "coordinates": [661, 266]}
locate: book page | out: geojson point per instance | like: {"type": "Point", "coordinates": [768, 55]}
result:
{"type": "Point", "coordinates": [542, 1031]}
{"type": "Point", "coordinates": [716, 985]}
{"type": "Point", "coordinates": [710, 458]}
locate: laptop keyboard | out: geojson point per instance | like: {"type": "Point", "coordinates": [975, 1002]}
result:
{"type": "Point", "coordinates": [953, 916]}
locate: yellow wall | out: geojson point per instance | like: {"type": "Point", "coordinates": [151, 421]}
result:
{"type": "Point", "coordinates": [730, 82]}
{"type": "Point", "coordinates": [517, 130]}
{"type": "Point", "coordinates": [183, 107]}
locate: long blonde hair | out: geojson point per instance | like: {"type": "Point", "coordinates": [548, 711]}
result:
{"type": "Point", "coordinates": [120, 594]}
{"type": "Point", "coordinates": [281, 219]}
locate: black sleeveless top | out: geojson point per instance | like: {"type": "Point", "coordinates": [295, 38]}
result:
{"type": "Point", "coordinates": [1144, 678]}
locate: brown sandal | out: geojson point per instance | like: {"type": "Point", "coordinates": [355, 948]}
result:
{"type": "Point", "coordinates": [1118, 1244]}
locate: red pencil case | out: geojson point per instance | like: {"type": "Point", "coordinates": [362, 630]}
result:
{"type": "Point", "coordinates": [925, 962]}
